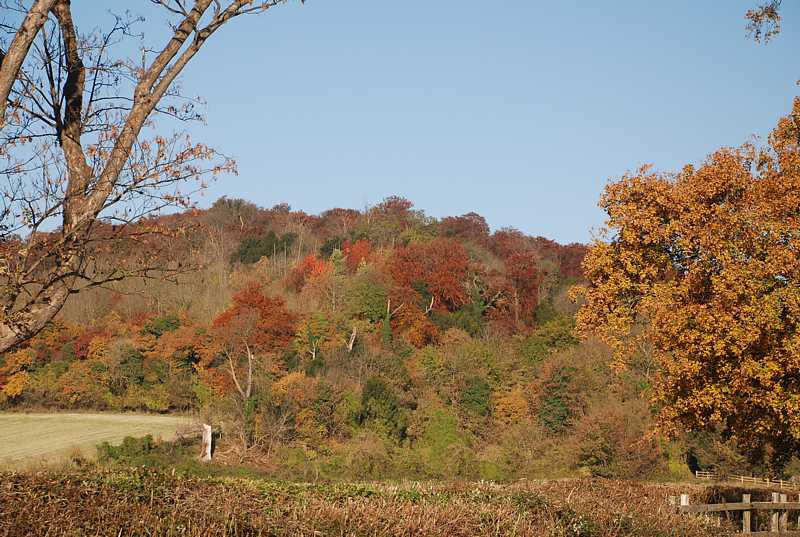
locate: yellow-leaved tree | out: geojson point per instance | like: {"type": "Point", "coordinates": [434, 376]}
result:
{"type": "Point", "coordinates": [702, 268]}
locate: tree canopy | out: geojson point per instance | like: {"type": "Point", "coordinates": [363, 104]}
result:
{"type": "Point", "coordinates": [702, 268]}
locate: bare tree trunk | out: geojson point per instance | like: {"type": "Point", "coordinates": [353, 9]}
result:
{"type": "Point", "coordinates": [249, 390]}
{"type": "Point", "coordinates": [352, 340]}
{"type": "Point", "coordinates": [11, 61]}
{"type": "Point", "coordinates": [205, 454]}
{"type": "Point", "coordinates": [235, 378]}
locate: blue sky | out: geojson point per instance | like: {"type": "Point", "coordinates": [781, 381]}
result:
{"type": "Point", "coordinates": [519, 110]}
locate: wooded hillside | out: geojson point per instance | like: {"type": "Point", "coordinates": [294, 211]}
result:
{"type": "Point", "coordinates": [365, 344]}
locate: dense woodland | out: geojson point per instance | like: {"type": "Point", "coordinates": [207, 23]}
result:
{"type": "Point", "coordinates": [375, 343]}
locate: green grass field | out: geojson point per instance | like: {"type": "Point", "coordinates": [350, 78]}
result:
{"type": "Point", "coordinates": [30, 439]}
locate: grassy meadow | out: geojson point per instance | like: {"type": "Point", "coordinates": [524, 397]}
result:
{"type": "Point", "coordinates": [32, 439]}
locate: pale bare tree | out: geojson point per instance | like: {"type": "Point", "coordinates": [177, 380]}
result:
{"type": "Point", "coordinates": [79, 158]}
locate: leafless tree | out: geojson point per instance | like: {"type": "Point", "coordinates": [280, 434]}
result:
{"type": "Point", "coordinates": [80, 160]}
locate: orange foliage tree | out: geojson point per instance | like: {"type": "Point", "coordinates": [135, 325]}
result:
{"type": "Point", "coordinates": [310, 267]}
{"type": "Point", "coordinates": [441, 265]}
{"type": "Point", "coordinates": [703, 267]}
{"type": "Point", "coordinates": [255, 324]}
{"type": "Point", "coordinates": [356, 253]}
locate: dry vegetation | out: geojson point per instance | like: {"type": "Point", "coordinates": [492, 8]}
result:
{"type": "Point", "coordinates": [140, 502]}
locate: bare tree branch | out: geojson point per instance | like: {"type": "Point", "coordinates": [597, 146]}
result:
{"type": "Point", "coordinates": [74, 149]}
{"type": "Point", "coordinates": [11, 61]}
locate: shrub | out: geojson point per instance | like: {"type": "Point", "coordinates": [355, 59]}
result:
{"type": "Point", "coordinates": [381, 409]}
{"type": "Point", "coordinates": [131, 368]}
{"type": "Point", "coordinates": [554, 404]}
{"type": "Point", "coordinates": [253, 249]}
{"type": "Point", "coordinates": [545, 311]}
{"type": "Point", "coordinates": [436, 368]}
{"type": "Point", "coordinates": [130, 448]}
{"type": "Point", "coordinates": [442, 449]}
{"type": "Point", "coordinates": [555, 335]}
{"type": "Point", "coordinates": [611, 442]}
{"type": "Point", "coordinates": [68, 351]}
{"type": "Point", "coordinates": [476, 396]}
{"type": "Point", "coordinates": [469, 319]}
{"type": "Point", "coordinates": [160, 325]}
{"type": "Point", "coordinates": [143, 451]}
{"type": "Point", "coordinates": [125, 501]}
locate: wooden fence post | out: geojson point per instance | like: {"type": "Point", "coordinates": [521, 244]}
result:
{"type": "Point", "coordinates": [784, 524]}
{"type": "Point", "coordinates": [746, 524]}
{"type": "Point", "coordinates": [775, 519]}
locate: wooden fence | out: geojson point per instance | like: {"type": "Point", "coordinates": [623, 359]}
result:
{"type": "Point", "coordinates": [747, 480]}
{"type": "Point", "coordinates": [779, 509]}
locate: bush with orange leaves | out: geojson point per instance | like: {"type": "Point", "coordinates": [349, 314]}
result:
{"type": "Point", "coordinates": [14, 372]}
{"type": "Point", "coordinates": [310, 268]}
{"type": "Point", "coordinates": [356, 253]}
{"type": "Point", "coordinates": [510, 407]}
{"type": "Point", "coordinates": [415, 327]}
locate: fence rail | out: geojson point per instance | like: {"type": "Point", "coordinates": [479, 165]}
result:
{"type": "Point", "coordinates": [749, 480]}
{"type": "Point", "coordinates": [779, 509]}
{"type": "Point", "coordinates": [700, 474]}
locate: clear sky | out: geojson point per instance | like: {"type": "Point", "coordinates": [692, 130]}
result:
{"type": "Point", "coordinates": [519, 110]}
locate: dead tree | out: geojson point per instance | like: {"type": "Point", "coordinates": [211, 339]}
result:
{"type": "Point", "coordinates": [207, 445]}
{"type": "Point", "coordinates": [352, 341]}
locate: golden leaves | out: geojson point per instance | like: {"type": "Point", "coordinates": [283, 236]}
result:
{"type": "Point", "coordinates": [510, 407]}
{"type": "Point", "coordinates": [16, 384]}
{"type": "Point", "coordinates": [705, 266]}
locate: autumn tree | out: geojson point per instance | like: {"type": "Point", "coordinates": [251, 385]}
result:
{"type": "Point", "coordinates": [356, 253]}
{"type": "Point", "coordinates": [75, 146]}
{"type": "Point", "coordinates": [524, 277]}
{"type": "Point", "coordinates": [471, 226]}
{"type": "Point", "coordinates": [253, 327]}
{"type": "Point", "coordinates": [310, 268]}
{"type": "Point", "coordinates": [570, 258]}
{"type": "Point", "coordinates": [701, 268]}
{"type": "Point", "coordinates": [437, 268]}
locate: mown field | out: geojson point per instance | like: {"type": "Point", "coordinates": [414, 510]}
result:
{"type": "Point", "coordinates": [30, 439]}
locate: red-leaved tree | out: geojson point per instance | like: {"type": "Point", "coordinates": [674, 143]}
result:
{"type": "Point", "coordinates": [440, 265]}
{"type": "Point", "coordinates": [254, 325]}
